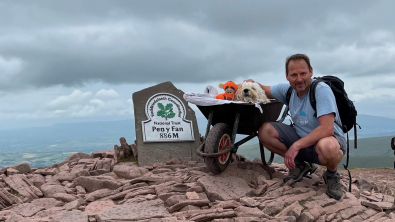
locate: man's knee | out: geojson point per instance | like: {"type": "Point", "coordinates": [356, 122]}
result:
{"type": "Point", "coordinates": [267, 131]}
{"type": "Point", "coordinates": [329, 148]}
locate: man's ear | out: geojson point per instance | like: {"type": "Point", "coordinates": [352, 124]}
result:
{"type": "Point", "coordinates": [311, 71]}
{"type": "Point", "coordinates": [221, 85]}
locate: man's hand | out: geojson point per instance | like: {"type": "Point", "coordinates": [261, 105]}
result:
{"type": "Point", "coordinates": [289, 158]}
{"type": "Point", "coordinates": [248, 80]}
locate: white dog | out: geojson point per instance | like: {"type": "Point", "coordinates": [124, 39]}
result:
{"type": "Point", "coordinates": [250, 92]}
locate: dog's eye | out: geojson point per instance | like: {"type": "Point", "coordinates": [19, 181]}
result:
{"type": "Point", "coordinates": [253, 88]}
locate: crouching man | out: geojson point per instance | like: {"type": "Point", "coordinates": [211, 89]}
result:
{"type": "Point", "coordinates": [312, 138]}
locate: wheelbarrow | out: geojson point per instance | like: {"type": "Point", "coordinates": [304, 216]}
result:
{"type": "Point", "coordinates": [227, 120]}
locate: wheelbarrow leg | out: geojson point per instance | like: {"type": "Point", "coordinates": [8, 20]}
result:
{"type": "Point", "coordinates": [263, 155]}
{"type": "Point", "coordinates": [235, 126]}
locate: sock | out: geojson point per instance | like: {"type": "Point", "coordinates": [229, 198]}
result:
{"type": "Point", "coordinates": [330, 173]}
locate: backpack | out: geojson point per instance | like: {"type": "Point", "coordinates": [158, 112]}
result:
{"type": "Point", "coordinates": [345, 107]}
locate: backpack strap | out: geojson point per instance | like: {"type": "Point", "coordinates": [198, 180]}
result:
{"type": "Point", "coordinates": [313, 102]}
{"type": "Point", "coordinates": [288, 96]}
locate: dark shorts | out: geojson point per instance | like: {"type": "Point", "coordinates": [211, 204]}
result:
{"type": "Point", "coordinates": [288, 136]}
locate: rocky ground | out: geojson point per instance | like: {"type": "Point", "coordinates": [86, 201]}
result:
{"type": "Point", "coordinates": [90, 188]}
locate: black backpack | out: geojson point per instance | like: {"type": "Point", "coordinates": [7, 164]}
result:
{"type": "Point", "coordinates": [346, 108]}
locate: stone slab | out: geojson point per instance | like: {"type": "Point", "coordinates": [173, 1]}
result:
{"type": "Point", "coordinates": [134, 211]}
{"type": "Point", "coordinates": [153, 152]}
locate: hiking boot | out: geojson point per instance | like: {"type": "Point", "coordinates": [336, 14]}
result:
{"type": "Point", "coordinates": [333, 187]}
{"type": "Point", "coordinates": [298, 172]}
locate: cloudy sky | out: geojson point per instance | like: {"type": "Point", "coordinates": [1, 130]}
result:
{"type": "Point", "coordinates": [71, 61]}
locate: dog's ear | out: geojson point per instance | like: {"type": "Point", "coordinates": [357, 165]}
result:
{"type": "Point", "coordinates": [236, 96]}
{"type": "Point", "coordinates": [221, 85]}
{"type": "Point", "coordinates": [239, 86]}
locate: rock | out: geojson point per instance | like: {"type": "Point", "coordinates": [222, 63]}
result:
{"type": "Point", "coordinates": [246, 171]}
{"type": "Point", "coordinates": [77, 156]}
{"type": "Point", "coordinates": [380, 206]}
{"type": "Point", "coordinates": [80, 190]}
{"type": "Point", "coordinates": [127, 151]}
{"type": "Point", "coordinates": [27, 209]}
{"type": "Point", "coordinates": [104, 164]}
{"type": "Point", "coordinates": [143, 191]}
{"type": "Point", "coordinates": [242, 211]}
{"type": "Point", "coordinates": [134, 211]}
{"type": "Point", "coordinates": [364, 184]}
{"type": "Point", "coordinates": [192, 196]}
{"type": "Point", "coordinates": [306, 217]}
{"type": "Point", "coordinates": [349, 212]}
{"type": "Point", "coordinates": [175, 199]}
{"type": "Point", "coordinates": [18, 218]}
{"type": "Point", "coordinates": [64, 197]}
{"type": "Point", "coordinates": [220, 188]}
{"type": "Point", "coordinates": [70, 176]}
{"type": "Point", "coordinates": [208, 216]}
{"type": "Point", "coordinates": [67, 216]}
{"type": "Point", "coordinates": [197, 189]}
{"type": "Point", "coordinates": [249, 202]}
{"type": "Point", "coordinates": [96, 183]}
{"type": "Point", "coordinates": [180, 205]}
{"type": "Point", "coordinates": [129, 171]}
{"type": "Point", "coordinates": [22, 185]}
{"type": "Point", "coordinates": [64, 168]}
{"type": "Point", "coordinates": [50, 190]}
{"type": "Point", "coordinates": [273, 207]}
{"type": "Point", "coordinates": [73, 205]}
{"type": "Point", "coordinates": [8, 198]}
{"type": "Point", "coordinates": [226, 204]}
{"type": "Point", "coordinates": [103, 154]}
{"type": "Point", "coordinates": [98, 194]}
{"type": "Point", "coordinates": [12, 171]}
{"type": "Point", "coordinates": [261, 189]}
{"type": "Point", "coordinates": [47, 203]}
{"type": "Point", "coordinates": [22, 167]}
{"type": "Point", "coordinates": [96, 207]}
{"type": "Point", "coordinates": [36, 179]}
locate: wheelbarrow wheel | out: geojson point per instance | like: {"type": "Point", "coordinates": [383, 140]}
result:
{"type": "Point", "coordinates": [263, 156]}
{"type": "Point", "coordinates": [218, 138]}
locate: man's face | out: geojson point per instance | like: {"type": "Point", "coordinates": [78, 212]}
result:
{"type": "Point", "coordinates": [299, 76]}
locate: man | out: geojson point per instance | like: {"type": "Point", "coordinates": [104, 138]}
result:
{"type": "Point", "coordinates": [311, 139]}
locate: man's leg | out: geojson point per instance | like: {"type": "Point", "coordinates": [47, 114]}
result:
{"type": "Point", "coordinates": [278, 137]}
{"type": "Point", "coordinates": [270, 139]}
{"type": "Point", "coordinates": [330, 154]}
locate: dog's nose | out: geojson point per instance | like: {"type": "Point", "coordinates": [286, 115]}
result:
{"type": "Point", "coordinates": [246, 90]}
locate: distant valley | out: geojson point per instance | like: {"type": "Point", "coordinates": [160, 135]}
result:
{"type": "Point", "coordinates": [44, 146]}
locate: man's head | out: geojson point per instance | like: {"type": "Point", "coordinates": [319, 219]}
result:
{"type": "Point", "coordinates": [299, 72]}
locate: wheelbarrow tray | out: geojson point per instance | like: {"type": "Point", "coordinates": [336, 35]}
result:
{"type": "Point", "coordinates": [251, 117]}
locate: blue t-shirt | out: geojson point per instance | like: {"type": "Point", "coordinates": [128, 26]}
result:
{"type": "Point", "coordinates": [302, 113]}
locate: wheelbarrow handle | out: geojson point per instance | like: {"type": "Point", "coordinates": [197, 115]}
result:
{"type": "Point", "coordinates": [212, 155]}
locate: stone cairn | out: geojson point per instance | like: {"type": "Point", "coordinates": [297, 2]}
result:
{"type": "Point", "coordinates": [125, 152]}
{"type": "Point", "coordinates": [89, 188]}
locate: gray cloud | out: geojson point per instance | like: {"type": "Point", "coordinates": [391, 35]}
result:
{"type": "Point", "coordinates": [76, 43]}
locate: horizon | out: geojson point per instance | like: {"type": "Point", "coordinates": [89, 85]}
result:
{"type": "Point", "coordinates": [97, 121]}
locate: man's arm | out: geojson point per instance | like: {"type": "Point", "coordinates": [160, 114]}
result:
{"type": "Point", "coordinates": [325, 129]}
{"type": "Point", "coordinates": [266, 88]}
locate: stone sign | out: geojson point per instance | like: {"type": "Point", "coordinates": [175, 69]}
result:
{"type": "Point", "coordinates": [165, 125]}
{"type": "Point", "coordinates": [166, 120]}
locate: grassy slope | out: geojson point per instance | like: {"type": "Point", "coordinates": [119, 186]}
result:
{"type": "Point", "coordinates": [371, 152]}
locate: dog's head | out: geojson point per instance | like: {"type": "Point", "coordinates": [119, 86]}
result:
{"type": "Point", "coordinates": [250, 92]}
